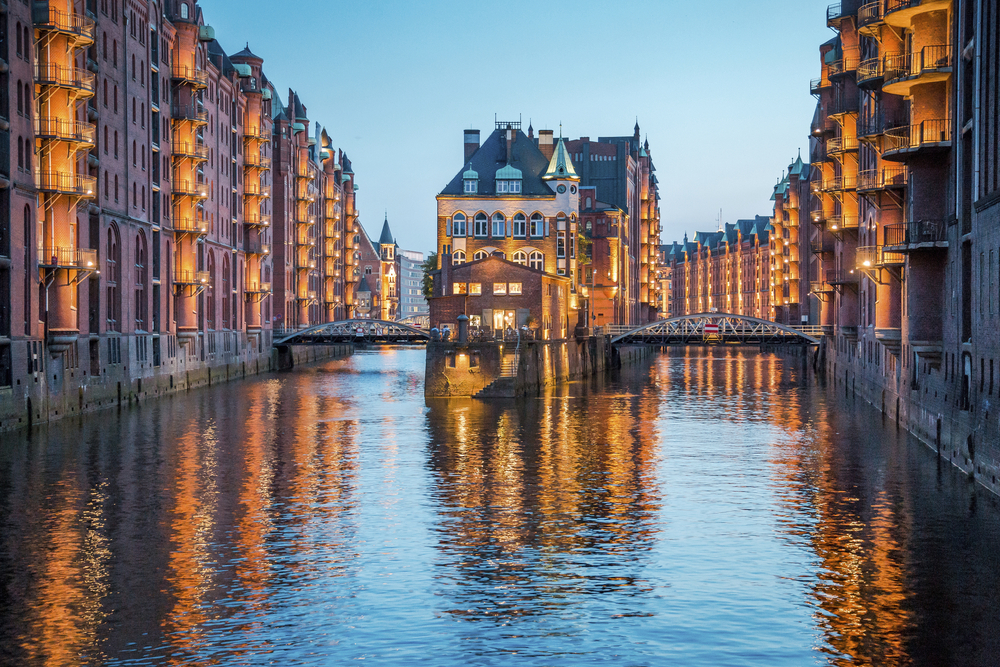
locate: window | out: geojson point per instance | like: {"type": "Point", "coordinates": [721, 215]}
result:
{"type": "Point", "coordinates": [459, 288]}
{"type": "Point", "coordinates": [480, 254]}
{"type": "Point", "coordinates": [184, 10]}
{"type": "Point", "coordinates": [481, 225]}
{"type": "Point", "coordinates": [521, 258]}
{"type": "Point", "coordinates": [475, 289]}
{"type": "Point", "coordinates": [520, 225]}
{"type": "Point", "coordinates": [537, 225]}
{"type": "Point", "coordinates": [512, 186]}
{"type": "Point", "coordinates": [458, 224]}
{"type": "Point", "coordinates": [471, 186]}
{"type": "Point", "coordinates": [536, 260]}
{"type": "Point", "coordinates": [140, 282]}
{"type": "Point", "coordinates": [113, 303]}
{"type": "Point", "coordinates": [500, 288]}
{"type": "Point", "coordinates": [561, 244]}
{"type": "Point", "coordinates": [499, 222]}
{"type": "Point", "coordinates": [458, 257]}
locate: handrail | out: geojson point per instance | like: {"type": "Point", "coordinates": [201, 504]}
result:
{"type": "Point", "coordinates": [189, 112]}
{"type": "Point", "coordinates": [64, 257]}
{"type": "Point", "coordinates": [190, 74]}
{"type": "Point", "coordinates": [870, 13]}
{"type": "Point", "coordinates": [190, 225]}
{"type": "Point", "coordinates": [841, 277]}
{"type": "Point", "coordinates": [874, 256]}
{"type": "Point", "coordinates": [918, 134]}
{"type": "Point", "coordinates": [54, 74]}
{"type": "Point", "coordinates": [187, 277]}
{"type": "Point", "coordinates": [66, 130]}
{"type": "Point", "coordinates": [192, 149]}
{"type": "Point", "coordinates": [61, 182]}
{"type": "Point", "coordinates": [70, 23]}
{"type": "Point", "coordinates": [931, 58]}
{"type": "Point", "coordinates": [838, 222]}
{"type": "Point", "coordinates": [915, 231]}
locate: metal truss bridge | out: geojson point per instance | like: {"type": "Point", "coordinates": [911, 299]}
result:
{"type": "Point", "coordinates": [367, 332]}
{"type": "Point", "coordinates": [712, 329]}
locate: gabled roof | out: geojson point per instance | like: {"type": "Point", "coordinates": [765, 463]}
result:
{"type": "Point", "coordinates": [560, 166]}
{"type": "Point", "coordinates": [491, 157]}
{"type": "Point", "coordinates": [363, 285]}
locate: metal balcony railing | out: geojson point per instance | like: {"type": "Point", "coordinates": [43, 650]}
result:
{"type": "Point", "coordinates": [870, 14]}
{"type": "Point", "coordinates": [258, 248]}
{"type": "Point", "coordinates": [256, 161]}
{"type": "Point", "coordinates": [916, 232]}
{"type": "Point", "coordinates": [844, 104]}
{"type": "Point", "coordinates": [258, 288]}
{"type": "Point", "coordinates": [66, 184]}
{"type": "Point", "coordinates": [845, 65]}
{"type": "Point", "coordinates": [912, 137]}
{"type": "Point", "coordinates": [74, 131]}
{"type": "Point", "coordinates": [840, 183]}
{"type": "Point", "coordinates": [841, 144]}
{"type": "Point", "coordinates": [882, 179]}
{"type": "Point", "coordinates": [63, 257]}
{"type": "Point", "coordinates": [876, 256]}
{"type": "Point", "coordinates": [189, 149]}
{"type": "Point", "coordinates": [81, 28]}
{"type": "Point", "coordinates": [74, 78]}
{"type": "Point", "coordinates": [255, 190]}
{"type": "Point", "coordinates": [837, 223]}
{"type": "Point", "coordinates": [903, 66]}
{"type": "Point", "coordinates": [896, 5]}
{"type": "Point", "coordinates": [186, 224]}
{"type": "Point", "coordinates": [190, 75]}
{"type": "Point", "coordinates": [819, 287]}
{"type": "Point", "coordinates": [819, 247]}
{"type": "Point", "coordinates": [823, 126]}
{"type": "Point", "coordinates": [193, 112]}
{"type": "Point", "coordinates": [870, 71]}
{"type": "Point", "coordinates": [841, 277]}
{"type": "Point", "coordinates": [817, 85]}
{"type": "Point", "coordinates": [834, 13]}
{"type": "Point", "coordinates": [305, 263]}
{"type": "Point", "coordinates": [307, 296]}
{"type": "Point", "coordinates": [185, 188]}
{"type": "Point", "coordinates": [256, 134]}
{"type": "Point", "coordinates": [188, 277]}
{"type": "Point", "coordinates": [256, 220]}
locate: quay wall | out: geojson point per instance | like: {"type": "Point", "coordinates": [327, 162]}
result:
{"type": "Point", "coordinates": [56, 390]}
{"type": "Point", "coordinates": [927, 400]}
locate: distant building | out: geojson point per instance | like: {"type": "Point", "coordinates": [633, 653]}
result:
{"type": "Point", "coordinates": [412, 304]}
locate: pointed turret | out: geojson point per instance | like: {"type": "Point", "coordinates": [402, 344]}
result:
{"type": "Point", "coordinates": [385, 238]}
{"type": "Point", "coordinates": [560, 166]}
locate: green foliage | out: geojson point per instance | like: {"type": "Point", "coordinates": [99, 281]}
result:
{"type": "Point", "coordinates": [430, 265]}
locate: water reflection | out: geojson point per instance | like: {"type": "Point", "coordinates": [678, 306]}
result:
{"type": "Point", "coordinates": [710, 507]}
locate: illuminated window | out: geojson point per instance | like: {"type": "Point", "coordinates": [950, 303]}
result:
{"type": "Point", "coordinates": [499, 288]}
{"type": "Point", "coordinates": [537, 225]}
{"type": "Point", "coordinates": [480, 254]}
{"type": "Point", "coordinates": [459, 288]}
{"type": "Point", "coordinates": [458, 257]}
{"type": "Point", "coordinates": [520, 258]}
{"type": "Point", "coordinates": [536, 260]}
{"type": "Point", "coordinates": [514, 288]}
{"type": "Point", "coordinates": [475, 288]}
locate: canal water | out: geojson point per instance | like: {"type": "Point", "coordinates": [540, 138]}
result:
{"type": "Point", "coordinates": [702, 509]}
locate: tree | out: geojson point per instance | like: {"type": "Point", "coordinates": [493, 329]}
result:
{"type": "Point", "coordinates": [430, 265]}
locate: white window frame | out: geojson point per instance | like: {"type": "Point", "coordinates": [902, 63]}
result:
{"type": "Point", "coordinates": [520, 226]}
{"type": "Point", "coordinates": [501, 220]}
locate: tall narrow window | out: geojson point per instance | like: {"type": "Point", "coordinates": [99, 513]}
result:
{"type": "Point", "coordinates": [482, 225]}
{"type": "Point", "coordinates": [458, 225]}
{"type": "Point", "coordinates": [499, 224]}
{"type": "Point", "coordinates": [537, 226]}
{"type": "Point", "coordinates": [520, 225]}
{"type": "Point", "coordinates": [113, 264]}
{"type": "Point", "coordinates": [536, 260]}
{"type": "Point", "coordinates": [141, 307]}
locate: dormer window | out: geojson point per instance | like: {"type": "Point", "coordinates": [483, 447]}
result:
{"type": "Point", "coordinates": [508, 180]}
{"type": "Point", "coordinates": [512, 186]}
{"type": "Point", "coordinates": [471, 186]}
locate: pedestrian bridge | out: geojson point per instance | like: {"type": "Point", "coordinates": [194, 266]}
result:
{"type": "Point", "coordinates": [711, 329]}
{"type": "Point", "coordinates": [368, 332]}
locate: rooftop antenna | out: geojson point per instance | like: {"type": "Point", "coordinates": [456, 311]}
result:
{"type": "Point", "coordinates": [720, 219]}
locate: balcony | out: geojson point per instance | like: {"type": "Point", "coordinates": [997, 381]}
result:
{"type": "Point", "coordinates": [71, 131]}
{"type": "Point", "coordinates": [189, 149]}
{"type": "Point", "coordinates": [62, 257]}
{"type": "Point", "coordinates": [837, 145]}
{"type": "Point", "coordinates": [820, 287]}
{"type": "Point", "coordinates": [195, 113]}
{"type": "Point", "coordinates": [840, 183]}
{"type": "Point", "coordinates": [185, 188]}
{"type": "Point", "coordinates": [819, 155]}
{"type": "Point", "coordinates": [844, 104]}
{"type": "Point", "coordinates": [876, 256]}
{"type": "Point", "coordinates": [900, 13]}
{"type": "Point", "coordinates": [925, 137]}
{"type": "Point", "coordinates": [307, 296]}
{"type": "Point", "coordinates": [841, 277]}
{"type": "Point", "coordinates": [77, 80]}
{"type": "Point", "coordinates": [187, 224]}
{"type": "Point", "coordinates": [258, 288]}
{"type": "Point", "coordinates": [834, 14]}
{"type": "Point", "coordinates": [256, 134]}
{"type": "Point", "coordinates": [844, 66]}
{"type": "Point", "coordinates": [61, 183]}
{"type": "Point", "coordinates": [823, 126]}
{"type": "Point", "coordinates": [818, 216]}
{"type": "Point", "coordinates": [257, 248]}
{"type": "Point", "coordinates": [870, 73]}
{"type": "Point", "coordinates": [78, 28]}
{"type": "Point", "coordinates": [185, 277]}
{"type": "Point", "coordinates": [305, 264]}
{"type": "Point", "coordinates": [820, 247]}
{"type": "Point", "coordinates": [302, 171]}
{"type": "Point", "coordinates": [252, 161]}
{"type": "Point", "coordinates": [257, 220]}
{"type": "Point", "coordinates": [190, 76]}
{"type": "Point", "coordinates": [916, 235]}
{"type": "Point", "coordinates": [870, 16]}
{"type": "Point", "coordinates": [838, 223]}
{"type": "Point", "coordinates": [905, 70]}
{"type": "Point", "coordinates": [256, 190]}
{"type": "Point", "coordinates": [886, 178]}
{"type": "Point", "coordinates": [816, 86]}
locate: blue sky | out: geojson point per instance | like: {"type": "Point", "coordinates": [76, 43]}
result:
{"type": "Point", "coordinates": [720, 89]}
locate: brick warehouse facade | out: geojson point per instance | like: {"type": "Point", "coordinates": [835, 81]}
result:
{"type": "Point", "coordinates": [153, 203]}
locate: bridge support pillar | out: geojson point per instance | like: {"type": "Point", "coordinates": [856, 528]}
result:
{"type": "Point", "coordinates": [286, 361]}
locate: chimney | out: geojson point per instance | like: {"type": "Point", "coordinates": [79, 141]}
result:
{"type": "Point", "coordinates": [471, 143]}
{"type": "Point", "coordinates": [510, 143]}
{"type": "Point", "coordinates": [545, 143]}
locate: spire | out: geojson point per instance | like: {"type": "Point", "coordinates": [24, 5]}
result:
{"type": "Point", "coordinates": [560, 166]}
{"type": "Point", "coordinates": [385, 238]}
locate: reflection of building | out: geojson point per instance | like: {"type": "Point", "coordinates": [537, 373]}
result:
{"type": "Point", "coordinates": [664, 274]}
{"type": "Point", "coordinates": [516, 199]}
{"type": "Point", "coordinates": [164, 210]}
{"type": "Point", "coordinates": [412, 304]}
{"type": "Point", "coordinates": [789, 248]}
{"type": "Point", "coordinates": [726, 271]}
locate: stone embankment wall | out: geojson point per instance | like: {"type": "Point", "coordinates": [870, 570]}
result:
{"type": "Point", "coordinates": [56, 391]}
{"type": "Point", "coordinates": [929, 404]}
{"type": "Point", "coordinates": [473, 369]}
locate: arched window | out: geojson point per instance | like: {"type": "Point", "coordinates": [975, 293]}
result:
{"type": "Point", "coordinates": [499, 222]}
{"type": "Point", "coordinates": [521, 258]}
{"type": "Point", "coordinates": [135, 154]}
{"type": "Point", "coordinates": [106, 140]}
{"type": "Point", "coordinates": [480, 254]}
{"type": "Point", "coordinates": [17, 39]}
{"type": "Point", "coordinates": [458, 257]}
{"type": "Point", "coordinates": [520, 226]}
{"type": "Point", "coordinates": [458, 224]}
{"type": "Point", "coordinates": [225, 292]}
{"type": "Point", "coordinates": [141, 307]}
{"type": "Point", "coordinates": [210, 293]}
{"type": "Point", "coordinates": [20, 153]}
{"type": "Point", "coordinates": [116, 187]}
{"type": "Point", "coordinates": [105, 93]}
{"type": "Point", "coordinates": [537, 225]}
{"type": "Point", "coordinates": [536, 260]}
{"type": "Point", "coordinates": [184, 10]}
{"type": "Point", "coordinates": [20, 98]}
{"type": "Point", "coordinates": [113, 306]}
{"type": "Point", "coordinates": [104, 45]}
{"type": "Point", "coordinates": [481, 225]}
{"type": "Point", "coordinates": [107, 183]}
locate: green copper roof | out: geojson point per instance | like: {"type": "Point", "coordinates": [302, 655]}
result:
{"type": "Point", "coordinates": [560, 166]}
{"type": "Point", "coordinates": [470, 175]}
{"type": "Point", "coordinates": [507, 173]}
